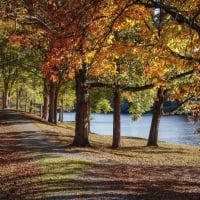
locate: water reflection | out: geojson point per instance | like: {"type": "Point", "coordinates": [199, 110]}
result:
{"type": "Point", "coordinates": [175, 129]}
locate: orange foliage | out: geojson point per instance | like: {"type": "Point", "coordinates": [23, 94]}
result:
{"type": "Point", "coordinates": [20, 41]}
{"type": "Point", "coordinates": [100, 32]}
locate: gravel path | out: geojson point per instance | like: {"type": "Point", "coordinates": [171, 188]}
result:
{"type": "Point", "coordinates": [36, 141]}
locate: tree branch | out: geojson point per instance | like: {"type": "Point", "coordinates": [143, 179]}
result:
{"type": "Point", "coordinates": [181, 75]}
{"type": "Point", "coordinates": [173, 12]}
{"type": "Point", "coordinates": [136, 88]}
{"type": "Point", "coordinates": [122, 87]}
{"type": "Point", "coordinates": [181, 103]}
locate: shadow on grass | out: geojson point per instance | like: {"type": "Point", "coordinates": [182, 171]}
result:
{"type": "Point", "coordinates": [56, 177]}
{"type": "Point", "coordinates": [126, 151]}
{"type": "Point", "coordinates": [77, 179]}
{"type": "Point", "coordinates": [128, 182]}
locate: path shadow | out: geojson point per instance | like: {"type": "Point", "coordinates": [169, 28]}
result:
{"type": "Point", "coordinates": [10, 117]}
{"type": "Point", "coordinates": [31, 142]}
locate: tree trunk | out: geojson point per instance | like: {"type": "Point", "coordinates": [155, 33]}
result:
{"type": "Point", "coordinates": [17, 99]}
{"type": "Point", "coordinates": [26, 102]}
{"type": "Point", "coordinates": [82, 111]}
{"type": "Point", "coordinates": [31, 106]}
{"type": "Point", "coordinates": [89, 113]}
{"type": "Point", "coordinates": [56, 101]}
{"type": "Point", "coordinates": [45, 99]}
{"type": "Point", "coordinates": [5, 100]}
{"type": "Point", "coordinates": [157, 113]}
{"type": "Point", "coordinates": [52, 102]}
{"type": "Point", "coordinates": [6, 96]}
{"type": "Point", "coordinates": [116, 120]}
{"type": "Point", "coordinates": [61, 111]}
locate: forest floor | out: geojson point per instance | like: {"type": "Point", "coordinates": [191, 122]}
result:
{"type": "Point", "coordinates": [38, 162]}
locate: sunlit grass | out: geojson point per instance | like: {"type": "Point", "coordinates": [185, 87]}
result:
{"type": "Point", "coordinates": [68, 125]}
{"type": "Point", "coordinates": [61, 167]}
{"type": "Point", "coordinates": [59, 174]}
{"type": "Point", "coordinates": [133, 149]}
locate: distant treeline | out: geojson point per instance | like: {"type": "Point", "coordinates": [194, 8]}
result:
{"type": "Point", "coordinates": [167, 107]}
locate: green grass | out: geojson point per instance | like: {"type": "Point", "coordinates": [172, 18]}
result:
{"type": "Point", "coordinates": [59, 175]}
{"type": "Point", "coordinates": [60, 168]}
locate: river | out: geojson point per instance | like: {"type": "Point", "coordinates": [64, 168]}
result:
{"type": "Point", "coordinates": [175, 129]}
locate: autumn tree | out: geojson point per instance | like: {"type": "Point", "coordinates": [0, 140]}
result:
{"type": "Point", "coordinates": [10, 72]}
{"type": "Point", "coordinates": [162, 66]}
{"type": "Point", "coordinates": [118, 56]}
{"type": "Point", "coordinates": [88, 42]}
{"type": "Point", "coordinates": [21, 46]}
{"type": "Point", "coordinates": [182, 42]}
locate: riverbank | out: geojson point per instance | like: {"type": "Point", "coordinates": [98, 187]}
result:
{"type": "Point", "coordinates": [173, 128]}
{"type": "Point", "coordinates": [130, 147]}
{"type": "Point", "coordinates": [48, 168]}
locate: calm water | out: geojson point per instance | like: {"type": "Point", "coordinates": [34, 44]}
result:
{"type": "Point", "coordinates": [174, 129]}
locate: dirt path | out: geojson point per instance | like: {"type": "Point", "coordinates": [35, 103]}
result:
{"type": "Point", "coordinates": [36, 141]}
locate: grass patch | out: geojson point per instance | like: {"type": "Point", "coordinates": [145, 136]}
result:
{"type": "Point", "coordinates": [60, 168]}
{"type": "Point", "coordinates": [59, 175]}
{"type": "Point", "coordinates": [68, 125]}
{"type": "Point", "coordinates": [132, 150]}
{"type": "Point", "coordinates": [48, 177]}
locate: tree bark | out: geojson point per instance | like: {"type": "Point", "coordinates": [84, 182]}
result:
{"type": "Point", "coordinates": [116, 120]}
{"type": "Point", "coordinates": [26, 102]}
{"type": "Point", "coordinates": [45, 99]}
{"type": "Point", "coordinates": [31, 106]}
{"type": "Point", "coordinates": [17, 99]}
{"type": "Point", "coordinates": [5, 96]}
{"type": "Point", "coordinates": [157, 113]}
{"type": "Point", "coordinates": [82, 111]}
{"type": "Point", "coordinates": [52, 94]}
{"type": "Point", "coordinates": [61, 111]}
{"type": "Point", "coordinates": [57, 87]}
